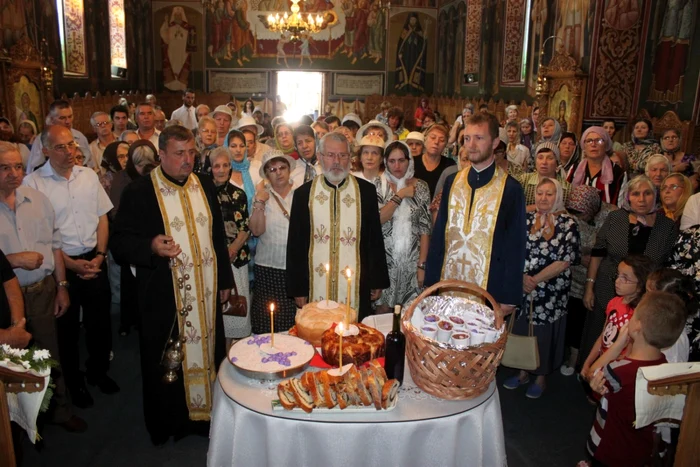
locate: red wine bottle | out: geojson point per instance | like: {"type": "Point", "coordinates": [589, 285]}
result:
{"type": "Point", "coordinates": [395, 349]}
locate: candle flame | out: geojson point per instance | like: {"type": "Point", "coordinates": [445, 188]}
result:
{"type": "Point", "coordinates": [341, 328]}
{"type": "Point", "coordinates": [272, 307]}
{"type": "Point", "coordinates": [348, 272]}
{"type": "Point", "coordinates": [328, 268]}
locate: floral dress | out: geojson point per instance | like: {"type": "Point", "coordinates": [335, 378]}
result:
{"type": "Point", "coordinates": [686, 259]}
{"type": "Point", "coordinates": [402, 269]}
{"type": "Point", "coordinates": [234, 210]}
{"type": "Point", "coordinates": [550, 298]}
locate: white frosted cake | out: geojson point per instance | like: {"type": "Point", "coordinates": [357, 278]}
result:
{"type": "Point", "coordinates": [255, 355]}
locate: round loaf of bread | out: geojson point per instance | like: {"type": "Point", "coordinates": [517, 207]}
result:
{"type": "Point", "coordinates": [365, 346]}
{"type": "Point", "coordinates": [315, 318]}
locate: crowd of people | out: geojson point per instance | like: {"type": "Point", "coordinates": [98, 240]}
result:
{"type": "Point", "coordinates": [583, 237]}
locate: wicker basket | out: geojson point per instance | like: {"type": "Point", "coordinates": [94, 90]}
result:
{"type": "Point", "coordinates": [450, 373]}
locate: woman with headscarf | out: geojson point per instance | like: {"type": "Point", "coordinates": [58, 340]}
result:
{"type": "Point", "coordinates": [642, 146]}
{"type": "Point", "coordinates": [552, 248]}
{"type": "Point", "coordinates": [596, 169]}
{"type": "Point", "coordinates": [527, 133]}
{"type": "Point", "coordinates": [569, 152]}
{"type": "Point", "coordinates": [546, 166]}
{"type": "Point", "coordinates": [269, 221]}
{"type": "Point", "coordinates": [244, 171]}
{"type": "Point", "coordinates": [585, 205]}
{"type": "Point", "coordinates": [635, 229]}
{"type": "Point", "coordinates": [234, 210]}
{"type": "Point", "coordinates": [681, 162]}
{"type": "Point", "coordinates": [550, 132]}
{"type": "Point", "coordinates": [406, 227]}
{"type": "Point", "coordinates": [675, 191]}
{"type": "Point", "coordinates": [140, 160]}
{"type": "Point", "coordinates": [113, 161]}
{"type": "Point", "coordinates": [284, 140]}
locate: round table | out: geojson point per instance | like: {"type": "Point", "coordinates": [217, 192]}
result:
{"type": "Point", "coordinates": [421, 430]}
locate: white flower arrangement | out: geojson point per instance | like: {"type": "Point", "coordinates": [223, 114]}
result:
{"type": "Point", "coordinates": [35, 360]}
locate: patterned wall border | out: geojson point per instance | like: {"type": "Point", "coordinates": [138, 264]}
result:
{"type": "Point", "coordinates": [472, 39]}
{"type": "Point", "coordinates": [511, 73]}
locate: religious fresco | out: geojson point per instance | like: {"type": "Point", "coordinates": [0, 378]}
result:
{"type": "Point", "coordinates": [27, 102]}
{"type": "Point", "coordinates": [560, 107]}
{"type": "Point", "coordinates": [16, 21]}
{"type": "Point", "coordinates": [412, 50]}
{"type": "Point", "coordinates": [671, 77]}
{"type": "Point", "coordinates": [451, 27]}
{"type": "Point", "coordinates": [178, 46]}
{"type": "Point", "coordinates": [354, 38]}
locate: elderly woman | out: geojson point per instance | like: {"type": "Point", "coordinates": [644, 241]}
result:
{"type": "Point", "coordinates": [234, 209]}
{"type": "Point", "coordinates": [516, 152]}
{"type": "Point", "coordinates": [27, 132]}
{"type": "Point", "coordinates": [552, 247]}
{"type": "Point", "coordinates": [375, 128]}
{"type": "Point", "coordinates": [270, 222]}
{"type": "Point", "coordinates": [113, 161]}
{"type": "Point", "coordinates": [671, 148]}
{"type": "Point", "coordinates": [675, 191]}
{"type": "Point", "coordinates": [550, 132]}
{"type": "Point", "coordinates": [596, 169]}
{"type": "Point", "coordinates": [415, 140]}
{"type": "Point", "coordinates": [527, 135]}
{"type": "Point", "coordinates": [140, 160]}
{"type": "Point", "coordinates": [546, 166]}
{"type": "Point", "coordinates": [284, 139]}
{"type": "Point", "coordinates": [657, 169]}
{"type": "Point", "coordinates": [206, 142]}
{"type": "Point", "coordinates": [129, 136]}
{"type": "Point", "coordinates": [511, 114]}
{"type": "Point", "coordinates": [569, 152]}
{"type": "Point", "coordinates": [635, 229]}
{"type": "Point", "coordinates": [406, 226]}
{"type": "Point", "coordinates": [584, 204]}
{"type": "Point", "coordinates": [642, 146]}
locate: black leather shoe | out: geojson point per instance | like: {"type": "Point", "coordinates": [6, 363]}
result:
{"type": "Point", "coordinates": [104, 383]}
{"type": "Point", "coordinates": [81, 397]}
{"type": "Point", "coordinates": [74, 424]}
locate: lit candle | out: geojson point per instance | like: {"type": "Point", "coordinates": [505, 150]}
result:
{"type": "Point", "coordinates": [328, 283]}
{"type": "Point", "coordinates": [341, 331]}
{"type": "Point", "coordinates": [347, 312]}
{"type": "Point", "coordinates": [272, 324]}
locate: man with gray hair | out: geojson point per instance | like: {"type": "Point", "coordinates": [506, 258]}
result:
{"type": "Point", "coordinates": [151, 99]}
{"type": "Point", "coordinates": [146, 120]}
{"type": "Point", "coordinates": [348, 236]}
{"type": "Point", "coordinates": [60, 113]}
{"type": "Point", "coordinates": [101, 122]}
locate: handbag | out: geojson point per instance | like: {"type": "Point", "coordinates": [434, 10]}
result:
{"type": "Point", "coordinates": [237, 304]}
{"type": "Point", "coordinates": [521, 351]}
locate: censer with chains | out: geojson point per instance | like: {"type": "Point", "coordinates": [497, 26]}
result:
{"type": "Point", "coordinates": [174, 353]}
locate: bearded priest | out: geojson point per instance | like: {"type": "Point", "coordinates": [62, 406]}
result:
{"type": "Point", "coordinates": [170, 230]}
{"type": "Point", "coordinates": [479, 234]}
{"type": "Point", "coordinates": [335, 221]}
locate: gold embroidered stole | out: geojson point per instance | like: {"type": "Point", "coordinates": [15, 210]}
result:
{"type": "Point", "coordinates": [335, 240]}
{"type": "Point", "coordinates": [470, 229]}
{"type": "Point", "coordinates": [187, 218]}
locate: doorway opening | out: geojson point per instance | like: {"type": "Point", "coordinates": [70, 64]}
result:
{"type": "Point", "coordinates": [301, 92]}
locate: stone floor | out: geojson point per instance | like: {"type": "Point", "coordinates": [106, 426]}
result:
{"type": "Point", "coordinates": [550, 431]}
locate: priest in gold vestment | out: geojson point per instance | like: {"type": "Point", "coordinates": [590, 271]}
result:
{"type": "Point", "coordinates": [169, 228]}
{"type": "Point", "coordinates": [479, 234]}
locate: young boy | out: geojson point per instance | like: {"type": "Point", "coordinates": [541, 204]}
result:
{"type": "Point", "coordinates": [656, 324]}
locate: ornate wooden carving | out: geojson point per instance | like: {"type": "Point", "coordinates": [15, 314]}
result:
{"type": "Point", "coordinates": [562, 81]}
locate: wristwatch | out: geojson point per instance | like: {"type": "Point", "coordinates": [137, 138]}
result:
{"type": "Point", "coordinates": [65, 284]}
{"type": "Point", "coordinates": [101, 253]}
{"type": "Point", "coordinates": [422, 266]}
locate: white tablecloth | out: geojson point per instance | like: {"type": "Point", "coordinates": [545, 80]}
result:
{"type": "Point", "coordinates": [421, 431]}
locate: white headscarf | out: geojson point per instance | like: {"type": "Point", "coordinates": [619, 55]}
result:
{"type": "Point", "coordinates": [401, 233]}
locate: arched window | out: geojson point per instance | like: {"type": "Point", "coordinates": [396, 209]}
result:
{"type": "Point", "coordinates": [71, 29]}
{"type": "Point", "coordinates": [117, 37]}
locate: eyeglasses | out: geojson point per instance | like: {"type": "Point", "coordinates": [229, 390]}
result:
{"type": "Point", "coordinates": [670, 138]}
{"type": "Point", "coordinates": [280, 169]}
{"type": "Point", "coordinates": [343, 156]}
{"type": "Point", "coordinates": [672, 187]}
{"type": "Point", "coordinates": [624, 279]}
{"type": "Point", "coordinates": [102, 124]}
{"type": "Point", "coordinates": [65, 147]}
{"type": "Point", "coordinates": [590, 141]}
